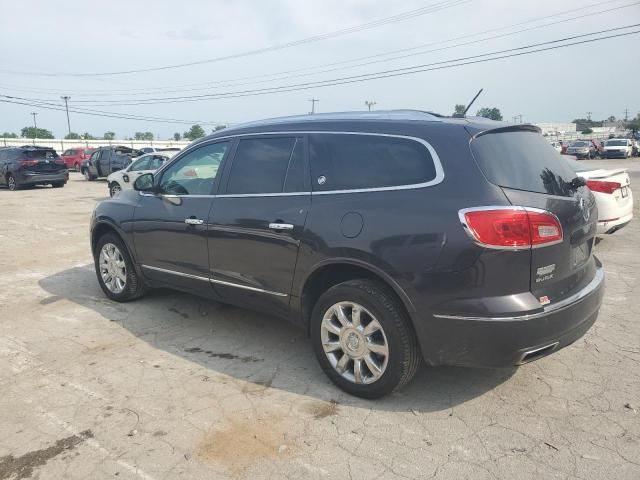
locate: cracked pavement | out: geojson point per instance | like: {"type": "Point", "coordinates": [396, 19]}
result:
{"type": "Point", "coordinates": [175, 386]}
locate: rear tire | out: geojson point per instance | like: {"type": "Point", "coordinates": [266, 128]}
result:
{"type": "Point", "coordinates": [57, 185]}
{"type": "Point", "coordinates": [132, 286]}
{"type": "Point", "coordinates": [12, 183]}
{"type": "Point", "coordinates": [114, 189]}
{"type": "Point", "coordinates": [340, 346]}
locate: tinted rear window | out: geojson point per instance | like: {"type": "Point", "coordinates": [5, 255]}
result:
{"type": "Point", "coordinates": [523, 161]}
{"type": "Point", "coordinates": [350, 162]}
{"type": "Point", "coordinates": [40, 154]}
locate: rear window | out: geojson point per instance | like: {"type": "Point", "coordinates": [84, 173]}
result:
{"type": "Point", "coordinates": [522, 161]}
{"type": "Point", "coordinates": [40, 154]}
{"type": "Point", "coordinates": [616, 143]}
{"type": "Point", "coordinates": [352, 162]}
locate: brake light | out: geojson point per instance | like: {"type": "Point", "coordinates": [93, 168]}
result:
{"type": "Point", "coordinates": [602, 186]}
{"type": "Point", "coordinates": [27, 163]}
{"type": "Point", "coordinates": [516, 227]}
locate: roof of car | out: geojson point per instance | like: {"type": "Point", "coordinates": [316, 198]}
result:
{"type": "Point", "coordinates": [476, 124]}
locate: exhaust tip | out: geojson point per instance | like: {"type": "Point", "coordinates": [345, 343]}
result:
{"type": "Point", "coordinates": [536, 353]}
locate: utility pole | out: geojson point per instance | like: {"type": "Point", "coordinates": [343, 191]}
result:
{"type": "Point", "coordinates": [313, 105]}
{"type": "Point", "coordinates": [520, 117]}
{"type": "Point", "coordinates": [66, 99]}
{"type": "Point", "coordinates": [369, 104]}
{"type": "Point", "coordinates": [626, 114]}
{"type": "Point", "coordinates": [589, 115]}
{"type": "Point", "coordinates": [35, 127]}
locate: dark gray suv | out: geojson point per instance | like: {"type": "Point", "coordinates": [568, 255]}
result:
{"type": "Point", "coordinates": [31, 165]}
{"type": "Point", "coordinates": [391, 237]}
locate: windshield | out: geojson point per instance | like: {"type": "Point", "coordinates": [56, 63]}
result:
{"type": "Point", "coordinates": [576, 166]}
{"type": "Point", "coordinates": [523, 161]}
{"type": "Point", "coordinates": [579, 144]}
{"type": "Point", "coordinates": [616, 143]}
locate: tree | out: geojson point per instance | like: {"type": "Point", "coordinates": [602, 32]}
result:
{"type": "Point", "coordinates": [109, 135]}
{"type": "Point", "coordinates": [459, 109]}
{"type": "Point", "coordinates": [611, 119]}
{"type": "Point", "coordinates": [87, 136]}
{"type": "Point", "coordinates": [196, 131]}
{"type": "Point", "coordinates": [9, 135]}
{"type": "Point", "coordinates": [72, 136]}
{"type": "Point", "coordinates": [31, 132]}
{"type": "Point", "coordinates": [491, 113]}
{"type": "Point", "coordinates": [143, 136]}
{"type": "Point", "coordinates": [586, 131]}
{"type": "Point", "coordinates": [177, 136]}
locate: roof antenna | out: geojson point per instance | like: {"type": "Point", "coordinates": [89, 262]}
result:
{"type": "Point", "coordinates": [469, 106]}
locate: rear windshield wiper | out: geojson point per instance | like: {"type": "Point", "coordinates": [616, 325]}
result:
{"type": "Point", "coordinates": [576, 183]}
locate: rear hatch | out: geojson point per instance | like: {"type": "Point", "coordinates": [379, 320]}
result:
{"type": "Point", "coordinates": [532, 174]}
{"type": "Point", "coordinates": [42, 161]}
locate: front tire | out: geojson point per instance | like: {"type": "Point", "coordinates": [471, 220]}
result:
{"type": "Point", "coordinates": [88, 175]}
{"type": "Point", "coordinates": [12, 183]}
{"type": "Point", "coordinates": [116, 272]}
{"type": "Point", "coordinates": [363, 339]}
{"type": "Point", "coordinates": [57, 185]}
{"type": "Point", "coordinates": [114, 189]}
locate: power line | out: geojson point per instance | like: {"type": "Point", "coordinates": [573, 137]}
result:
{"type": "Point", "coordinates": [376, 75]}
{"type": "Point", "coordinates": [230, 82]}
{"type": "Point", "coordinates": [431, 8]}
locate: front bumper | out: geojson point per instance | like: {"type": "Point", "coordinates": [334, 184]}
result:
{"type": "Point", "coordinates": [505, 341]}
{"type": "Point", "coordinates": [29, 178]}
{"type": "Point", "coordinates": [615, 154]}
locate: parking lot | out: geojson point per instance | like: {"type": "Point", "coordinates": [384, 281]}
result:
{"type": "Point", "coordinates": [174, 386]}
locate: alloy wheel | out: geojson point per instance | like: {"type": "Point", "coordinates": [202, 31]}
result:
{"type": "Point", "coordinates": [115, 189]}
{"type": "Point", "coordinates": [354, 342]}
{"type": "Point", "coordinates": [113, 269]}
{"type": "Point", "coordinates": [11, 182]}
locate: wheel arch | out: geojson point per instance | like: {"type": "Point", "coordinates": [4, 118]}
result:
{"type": "Point", "coordinates": [331, 272]}
{"type": "Point", "coordinates": [103, 227]}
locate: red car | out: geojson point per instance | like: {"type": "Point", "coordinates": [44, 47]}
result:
{"type": "Point", "coordinates": [74, 157]}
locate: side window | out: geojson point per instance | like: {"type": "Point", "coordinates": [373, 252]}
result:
{"type": "Point", "coordinates": [296, 172]}
{"type": "Point", "coordinates": [155, 162]}
{"type": "Point", "coordinates": [195, 173]}
{"type": "Point", "coordinates": [350, 162]}
{"type": "Point", "coordinates": [260, 165]}
{"type": "Point", "coordinates": [104, 156]}
{"type": "Point", "coordinates": [140, 164]}
{"type": "Point", "coordinates": [67, 153]}
{"type": "Point", "coordinates": [94, 157]}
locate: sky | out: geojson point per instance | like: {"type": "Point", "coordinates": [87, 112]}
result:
{"type": "Point", "coordinates": [73, 37]}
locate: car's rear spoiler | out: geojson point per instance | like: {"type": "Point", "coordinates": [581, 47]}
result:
{"type": "Point", "coordinates": [522, 127]}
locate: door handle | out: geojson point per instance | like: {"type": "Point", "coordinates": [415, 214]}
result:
{"type": "Point", "coordinates": [280, 226]}
{"type": "Point", "coordinates": [193, 221]}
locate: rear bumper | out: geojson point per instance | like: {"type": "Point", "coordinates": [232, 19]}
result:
{"type": "Point", "coordinates": [40, 178]}
{"type": "Point", "coordinates": [505, 341]}
{"type": "Point", "coordinates": [612, 226]}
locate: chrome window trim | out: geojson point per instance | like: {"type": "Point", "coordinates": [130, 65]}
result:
{"type": "Point", "coordinates": [595, 282]}
{"type": "Point", "coordinates": [211, 280]}
{"type": "Point", "coordinates": [468, 231]}
{"type": "Point", "coordinates": [439, 178]}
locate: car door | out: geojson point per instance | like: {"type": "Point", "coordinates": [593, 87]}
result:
{"type": "Point", "coordinates": [102, 166]}
{"type": "Point", "coordinates": [256, 224]}
{"type": "Point", "coordinates": [4, 165]}
{"type": "Point", "coordinates": [170, 226]}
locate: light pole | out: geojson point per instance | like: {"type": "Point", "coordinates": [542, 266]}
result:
{"type": "Point", "coordinates": [35, 127]}
{"type": "Point", "coordinates": [66, 99]}
{"type": "Point", "coordinates": [369, 104]}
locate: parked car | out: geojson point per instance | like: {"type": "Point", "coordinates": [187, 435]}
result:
{"type": "Point", "coordinates": [612, 191]}
{"type": "Point", "coordinates": [159, 149]}
{"type": "Point", "coordinates": [617, 148]}
{"type": "Point", "coordinates": [27, 166]}
{"type": "Point", "coordinates": [582, 149]}
{"type": "Point", "coordinates": [557, 146]}
{"type": "Point", "coordinates": [123, 179]}
{"type": "Point", "coordinates": [635, 147]}
{"type": "Point", "coordinates": [390, 237]}
{"type": "Point", "coordinates": [73, 157]}
{"type": "Point", "coordinates": [106, 160]}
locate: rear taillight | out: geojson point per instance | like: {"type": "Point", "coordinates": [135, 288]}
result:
{"type": "Point", "coordinates": [602, 186]}
{"type": "Point", "coordinates": [27, 163]}
{"type": "Point", "coordinates": [511, 227]}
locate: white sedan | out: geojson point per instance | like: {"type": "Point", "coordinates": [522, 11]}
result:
{"type": "Point", "coordinates": [123, 179]}
{"type": "Point", "coordinates": [612, 190]}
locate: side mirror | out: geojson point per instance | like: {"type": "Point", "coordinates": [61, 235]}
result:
{"type": "Point", "coordinates": [144, 183]}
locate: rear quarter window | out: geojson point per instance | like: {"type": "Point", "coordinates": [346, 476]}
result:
{"type": "Point", "coordinates": [353, 162]}
{"type": "Point", "coordinates": [522, 161]}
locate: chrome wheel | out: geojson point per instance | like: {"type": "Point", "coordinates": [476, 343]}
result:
{"type": "Point", "coordinates": [113, 269]}
{"type": "Point", "coordinates": [11, 182]}
{"type": "Point", "coordinates": [354, 342]}
{"type": "Point", "coordinates": [115, 189]}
